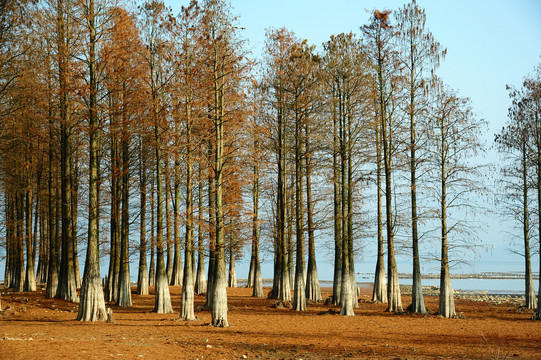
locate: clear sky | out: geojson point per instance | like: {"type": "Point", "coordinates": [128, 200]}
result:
{"type": "Point", "coordinates": [490, 43]}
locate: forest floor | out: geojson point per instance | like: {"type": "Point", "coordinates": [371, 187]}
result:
{"type": "Point", "coordinates": [32, 327]}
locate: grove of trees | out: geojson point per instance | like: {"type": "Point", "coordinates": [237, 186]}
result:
{"type": "Point", "coordinates": [136, 134]}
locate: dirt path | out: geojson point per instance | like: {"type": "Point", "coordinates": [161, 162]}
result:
{"type": "Point", "coordinates": [32, 327]}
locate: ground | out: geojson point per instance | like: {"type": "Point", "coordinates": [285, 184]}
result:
{"type": "Point", "coordinates": [32, 327]}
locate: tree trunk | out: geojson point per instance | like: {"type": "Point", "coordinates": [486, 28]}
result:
{"type": "Point", "coordinates": [337, 278]}
{"type": "Point", "coordinates": [537, 315]}
{"type": "Point", "coordinates": [52, 271]}
{"type": "Point", "coordinates": [92, 306]}
{"type": "Point", "coordinates": [18, 264]}
{"type": "Point", "coordinates": [142, 277]}
{"type": "Point", "coordinates": [177, 274]}
{"type": "Point", "coordinates": [212, 235]}
{"type": "Point", "coordinates": [447, 303]}
{"type": "Point", "coordinates": [313, 291]}
{"type": "Point", "coordinates": [66, 284]}
{"type": "Point", "coordinates": [124, 288]}
{"type": "Point", "coordinates": [232, 280]}
{"type": "Point", "coordinates": [529, 284]}
{"type": "Point", "coordinates": [256, 263]}
{"type": "Point", "coordinates": [152, 269]}
{"type": "Point", "coordinates": [299, 294]}
{"type": "Point", "coordinates": [30, 277]}
{"type": "Point", "coordinates": [201, 281]}
{"type": "Point", "coordinates": [417, 302]}
{"type": "Point", "coordinates": [346, 296]}
{"type": "Point", "coordinates": [187, 301]}
{"type": "Point", "coordinates": [111, 291]}
{"type": "Point", "coordinates": [284, 291]}
{"type": "Point", "coordinates": [74, 221]}
{"type": "Point", "coordinates": [162, 304]}
{"type": "Point", "coordinates": [393, 288]}
{"type": "Point", "coordinates": [379, 294]}
{"type": "Point", "coordinates": [219, 293]}
{"type": "Point", "coordinates": [168, 222]}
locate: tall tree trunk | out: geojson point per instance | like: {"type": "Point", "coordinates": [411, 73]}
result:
{"type": "Point", "coordinates": [66, 284]}
{"type": "Point", "coordinates": [43, 258]}
{"type": "Point", "coordinates": [212, 234]}
{"type": "Point", "coordinates": [200, 281]}
{"type": "Point", "coordinates": [92, 306]}
{"type": "Point", "coordinates": [152, 269]}
{"type": "Point", "coordinates": [52, 271]}
{"type": "Point", "coordinates": [142, 277]}
{"type": "Point", "coordinates": [299, 294]}
{"type": "Point", "coordinates": [18, 268]}
{"type": "Point", "coordinates": [187, 301]}
{"type": "Point", "coordinates": [349, 146]}
{"type": "Point", "coordinates": [124, 288]}
{"type": "Point", "coordinates": [528, 276]}
{"type": "Point", "coordinates": [346, 296]}
{"type": "Point", "coordinates": [257, 276]}
{"type": "Point", "coordinates": [313, 291]}
{"type": "Point", "coordinates": [162, 304]}
{"type": "Point", "coordinates": [168, 222]}
{"type": "Point", "coordinates": [30, 277]}
{"type": "Point", "coordinates": [111, 292]}
{"type": "Point", "coordinates": [177, 274]}
{"type": "Point", "coordinates": [74, 220]}
{"type": "Point", "coordinates": [393, 289]}
{"type": "Point", "coordinates": [232, 278]}
{"type": "Point", "coordinates": [537, 315]}
{"type": "Point", "coordinates": [337, 277]}
{"type": "Point", "coordinates": [219, 293]}
{"type": "Point", "coordinates": [379, 294]}
{"type": "Point", "coordinates": [417, 302]}
{"type": "Point", "coordinates": [447, 303]}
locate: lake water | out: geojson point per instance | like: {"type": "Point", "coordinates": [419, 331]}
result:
{"type": "Point", "coordinates": [491, 286]}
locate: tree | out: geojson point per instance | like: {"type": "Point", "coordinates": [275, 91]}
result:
{"type": "Point", "coordinates": [154, 16]}
{"type": "Point", "coordinates": [379, 34]}
{"type": "Point", "coordinates": [225, 70]}
{"type": "Point", "coordinates": [187, 69]}
{"type": "Point", "coordinates": [66, 284]}
{"type": "Point", "coordinates": [514, 142]}
{"type": "Point", "coordinates": [454, 137]}
{"type": "Point", "coordinates": [278, 43]}
{"type": "Point", "coordinates": [420, 54]}
{"type": "Point", "coordinates": [92, 306]}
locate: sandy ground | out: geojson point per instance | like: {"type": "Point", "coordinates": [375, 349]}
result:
{"type": "Point", "coordinates": [32, 327]}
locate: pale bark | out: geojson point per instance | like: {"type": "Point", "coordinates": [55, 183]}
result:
{"type": "Point", "coordinates": [299, 294]}
{"type": "Point", "coordinates": [529, 287]}
{"type": "Point", "coordinates": [92, 306]}
{"type": "Point", "coordinates": [168, 221]}
{"type": "Point", "coordinates": [232, 279]}
{"type": "Point", "coordinates": [142, 277]}
{"type": "Point", "coordinates": [313, 291]}
{"type": "Point", "coordinates": [178, 273]}
{"type": "Point", "coordinates": [30, 276]}
{"type": "Point", "coordinates": [337, 278]}
{"type": "Point", "coordinates": [256, 263]}
{"type": "Point", "coordinates": [124, 289]}
{"type": "Point", "coordinates": [152, 266]}
{"type": "Point", "coordinates": [162, 303]}
{"type": "Point", "coordinates": [200, 281]}
{"type": "Point", "coordinates": [379, 294]}
{"type": "Point", "coordinates": [219, 293]}
{"type": "Point", "coordinates": [187, 301]}
{"type": "Point", "coordinates": [447, 303]}
{"type": "Point", "coordinates": [66, 284]}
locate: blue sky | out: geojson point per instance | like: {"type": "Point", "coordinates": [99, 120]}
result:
{"type": "Point", "coordinates": [490, 43]}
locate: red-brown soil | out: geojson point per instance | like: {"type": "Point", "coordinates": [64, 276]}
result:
{"type": "Point", "coordinates": [32, 327]}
